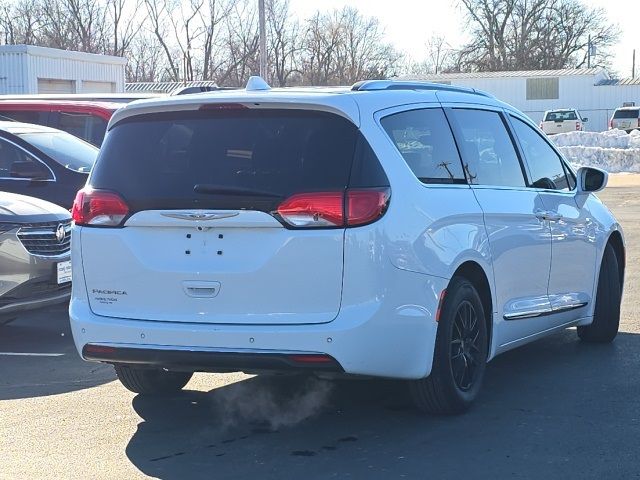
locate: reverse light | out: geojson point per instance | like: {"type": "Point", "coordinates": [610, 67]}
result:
{"type": "Point", "coordinates": [99, 208]}
{"type": "Point", "coordinates": [348, 208]}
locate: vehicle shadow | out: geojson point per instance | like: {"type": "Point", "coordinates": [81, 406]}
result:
{"type": "Point", "coordinates": [555, 408]}
{"type": "Point", "coordinates": [56, 366]}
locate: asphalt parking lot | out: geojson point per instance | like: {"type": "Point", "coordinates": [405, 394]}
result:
{"type": "Point", "coordinates": [552, 409]}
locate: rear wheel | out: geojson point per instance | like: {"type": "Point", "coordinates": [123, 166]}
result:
{"type": "Point", "coordinates": [606, 317]}
{"type": "Point", "coordinates": [151, 381]}
{"type": "Point", "coordinates": [460, 355]}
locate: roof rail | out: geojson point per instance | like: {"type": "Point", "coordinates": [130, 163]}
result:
{"type": "Point", "coordinates": [373, 85]}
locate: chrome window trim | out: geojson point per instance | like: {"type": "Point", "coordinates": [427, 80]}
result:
{"type": "Point", "coordinates": [53, 175]}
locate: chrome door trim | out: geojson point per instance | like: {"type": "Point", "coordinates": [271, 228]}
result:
{"type": "Point", "coordinates": [546, 311]}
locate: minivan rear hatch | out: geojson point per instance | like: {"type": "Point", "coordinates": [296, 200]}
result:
{"type": "Point", "coordinates": [215, 228]}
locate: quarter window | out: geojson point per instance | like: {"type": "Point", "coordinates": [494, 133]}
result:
{"type": "Point", "coordinates": [489, 156]}
{"type": "Point", "coordinates": [426, 143]}
{"type": "Point", "coordinates": [16, 163]}
{"type": "Point", "coordinates": [85, 126]}
{"type": "Point", "coordinates": [544, 163]}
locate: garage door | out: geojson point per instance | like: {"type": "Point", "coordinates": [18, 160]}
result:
{"type": "Point", "coordinates": [48, 85]}
{"type": "Point", "coordinates": [98, 87]}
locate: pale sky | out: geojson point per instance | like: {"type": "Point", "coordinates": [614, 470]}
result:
{"type": "Point", "coordinates": [410, 23]}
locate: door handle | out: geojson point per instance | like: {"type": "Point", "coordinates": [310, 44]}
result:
{"type": "Point", "coordinates": [547, 215]}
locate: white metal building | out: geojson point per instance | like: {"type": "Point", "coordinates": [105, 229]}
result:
{"type": "Point", "coordinates": [31, 69]}
{"type": "Point", "coordinates": [592, 91]}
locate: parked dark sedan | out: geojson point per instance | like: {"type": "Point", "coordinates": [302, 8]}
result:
{"type": "Point", "coordinates": [43, 162]}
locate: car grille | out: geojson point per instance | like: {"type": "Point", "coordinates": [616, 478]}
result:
{"type": "Point", "coordinates": [41, 238]}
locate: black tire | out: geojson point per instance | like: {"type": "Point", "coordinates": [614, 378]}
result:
{"type": "Point", "coordinates": [151, 381]}
{"type": "Point", "coordinates": [444, 392]}
{"type": "Point", "coordinates": [606, 316]}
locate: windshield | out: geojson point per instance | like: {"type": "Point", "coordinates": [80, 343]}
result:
{"type": "Point", "coordinates": [561, 116]}
{"type": "Point", "coordinates": [67, 150]}
{"type": "Point", "coordinates": [626, 113]}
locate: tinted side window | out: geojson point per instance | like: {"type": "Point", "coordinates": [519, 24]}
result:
{"type": "Point", "coordinates": [489, 155]}
{"type": "Point", "coordinates": [85, 126]}
{"type": "Point", "coordinates": [25, 116]}
{"type": "Point", "coordinates": [544, 164]}
{"type": "Point", "coordinates": [424, 139]}
{"type": "Point", "coordinates": [16, 163]}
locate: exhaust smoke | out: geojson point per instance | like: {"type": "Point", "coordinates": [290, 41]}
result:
{"type": "Point", "coordinates": [273, 401]}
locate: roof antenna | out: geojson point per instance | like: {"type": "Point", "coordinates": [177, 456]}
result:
{"type": "Point", "coordinates": [257, 83]}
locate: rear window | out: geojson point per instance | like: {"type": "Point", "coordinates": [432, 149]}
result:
{"type": "Point", "coordinates": [626, 113]}
{"type": "Point", "coordinates": [561, 116]}
{"type": "Point", "coordinates": [250, 159]}
{"type": "Point", "coordinates": [67, 150]}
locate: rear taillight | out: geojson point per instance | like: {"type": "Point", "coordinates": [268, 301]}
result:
{"type": "Point", "coordinates": [639, 122]}
{"type": "Point", "coordinates": [540, 125]}
{"type": "Point", "coordinates": [320, 209]}
{"type": "Point", "coordinates": [334, 209]}
{"type": "Point", "coordinates": [610, 124]}
{"type": "Point", "coordinates": [99, 208]}
{"type": "Point", "coordinates": [578, 126]}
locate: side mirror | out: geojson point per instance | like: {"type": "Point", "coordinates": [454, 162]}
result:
{"type": "Point", "coordinates": [591, 179]}
{"type": "Point", "coordinates": [585, 119]}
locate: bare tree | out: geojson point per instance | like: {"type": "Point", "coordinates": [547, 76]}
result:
{"type": "Point", "coordinates": [144, 59]}
{"type": "Point", "coordinates": [158, 13]}
{"type": "Point", "coordinates": [344, 46]}
{"type": "Point", "coordinates": [212, 17]}
{"type": "Point", "coordinates": [124, 24]}
{"type": "Point", "coordinates": [283, 42]}
{"type": "Point", "coordinates": [20, 22]}
{"type": "Point", "coordinates": [533, 34]}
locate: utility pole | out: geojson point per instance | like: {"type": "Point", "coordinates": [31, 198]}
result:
{"type": "Point", "coordinates": [263, 40]}
{"type": "Point", "coordinates": [633, 65]}
{"type": "Point", "coordinates": [589, 52]}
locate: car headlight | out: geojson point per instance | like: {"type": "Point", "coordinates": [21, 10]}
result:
{"type": "Point", "coordinates": [5, 227]}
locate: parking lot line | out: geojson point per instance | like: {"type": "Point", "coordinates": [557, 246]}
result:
{"type": "Point", "coordinates": [29, 354]}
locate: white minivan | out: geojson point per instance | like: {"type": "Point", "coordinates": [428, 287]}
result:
{"type": "Point", "coordinates": [392, 229]}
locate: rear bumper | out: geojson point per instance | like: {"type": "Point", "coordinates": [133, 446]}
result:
{"type": "Point", "coordinates": [390, 335]}
{"type": "Point", "coordinates": [209, 360]}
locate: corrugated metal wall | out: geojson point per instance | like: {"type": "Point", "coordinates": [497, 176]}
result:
{"type": "Point", "coordinates": [594, 102]}
{"type": "Point", "coordinates": [19, 72]}
{"type": "Point", "coordinates": [13, 73]}
{"type": "Point", "coordinates": [71, 69]}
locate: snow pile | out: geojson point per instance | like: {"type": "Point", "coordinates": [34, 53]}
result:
{"type": "Point", "coordinates": [614, 150]}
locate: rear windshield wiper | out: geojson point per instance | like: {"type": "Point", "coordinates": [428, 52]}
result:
{"type": "Point", "coordinates": [210, 189]}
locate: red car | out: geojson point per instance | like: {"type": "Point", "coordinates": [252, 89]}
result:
{"type": "Point", "coordinates": [84, 119]}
